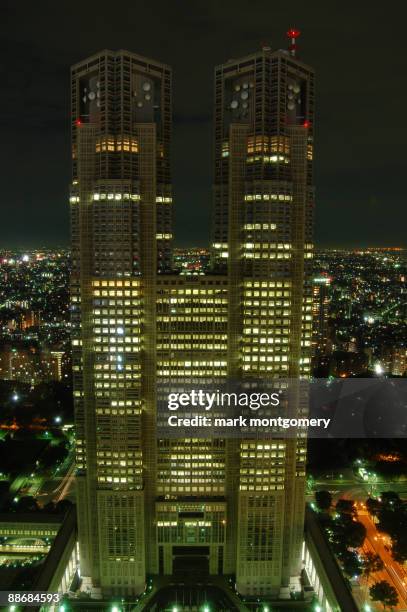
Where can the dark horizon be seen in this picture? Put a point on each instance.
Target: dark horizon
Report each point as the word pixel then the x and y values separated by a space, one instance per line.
pixel 360 163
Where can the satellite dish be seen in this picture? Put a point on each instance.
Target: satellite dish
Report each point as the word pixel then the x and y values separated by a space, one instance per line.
pixel 245 85
pixel 140 104
pixel 244 95
pixel 92 95
pixel 98 84
pixel 147 97
pixel 290 86
pixel 245 105
pixel 291 106
pixel 290 96
pixel 84 99
pixel 251 85
pixel 234 104
pixel 237 87
pixel 296 88
pixel 146 86
pixel 135 93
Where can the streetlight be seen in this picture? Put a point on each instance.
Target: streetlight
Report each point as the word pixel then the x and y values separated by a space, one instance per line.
pixel 318 608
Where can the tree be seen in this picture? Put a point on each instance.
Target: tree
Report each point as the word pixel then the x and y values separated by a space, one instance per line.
pixel 399 547
pixel 385 593
pixel 354 534
pixel 393 520
pixel 27 504
pixel 53 456
pixel 371 563
pixel 323 500
pixel 390 498
pixel 373 506
pixel 346 506
pixel 351 564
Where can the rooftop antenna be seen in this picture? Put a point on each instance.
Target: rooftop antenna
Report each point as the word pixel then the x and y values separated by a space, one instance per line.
pixel 292 35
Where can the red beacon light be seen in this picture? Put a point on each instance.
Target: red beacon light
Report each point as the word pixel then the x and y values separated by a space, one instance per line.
pixel 292 35
pixel 78 122
pixel 306 124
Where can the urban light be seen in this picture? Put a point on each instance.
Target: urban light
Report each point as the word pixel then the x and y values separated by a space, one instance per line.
pixel 378 369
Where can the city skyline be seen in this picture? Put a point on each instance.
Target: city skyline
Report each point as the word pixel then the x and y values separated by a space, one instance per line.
pixel 232 181
pixel 355 149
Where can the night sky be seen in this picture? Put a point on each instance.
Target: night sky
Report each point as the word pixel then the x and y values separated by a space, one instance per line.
pixel 357 49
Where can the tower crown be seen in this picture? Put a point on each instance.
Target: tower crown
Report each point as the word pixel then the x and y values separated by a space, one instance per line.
pixel 292 35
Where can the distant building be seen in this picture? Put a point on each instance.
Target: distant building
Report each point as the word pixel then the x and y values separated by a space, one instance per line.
pixel 394 360
pixel 320 317
pixel 30 364
pixel 23 317
pixel 192 261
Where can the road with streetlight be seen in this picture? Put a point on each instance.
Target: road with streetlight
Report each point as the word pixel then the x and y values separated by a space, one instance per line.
pixel 56 488
pixel 392 571
pixel 347 485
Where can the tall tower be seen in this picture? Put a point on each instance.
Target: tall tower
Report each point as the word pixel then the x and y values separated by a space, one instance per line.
pixel 263 218
pixel 161 505
pixel 121 237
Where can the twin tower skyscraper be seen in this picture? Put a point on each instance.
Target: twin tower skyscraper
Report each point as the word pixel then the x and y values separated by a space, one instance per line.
pixel 157 506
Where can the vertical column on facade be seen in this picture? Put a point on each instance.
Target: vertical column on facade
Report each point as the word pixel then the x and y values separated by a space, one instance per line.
pixel 87 519
pixel 295 484
pixel 237 164
pixel 148 261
